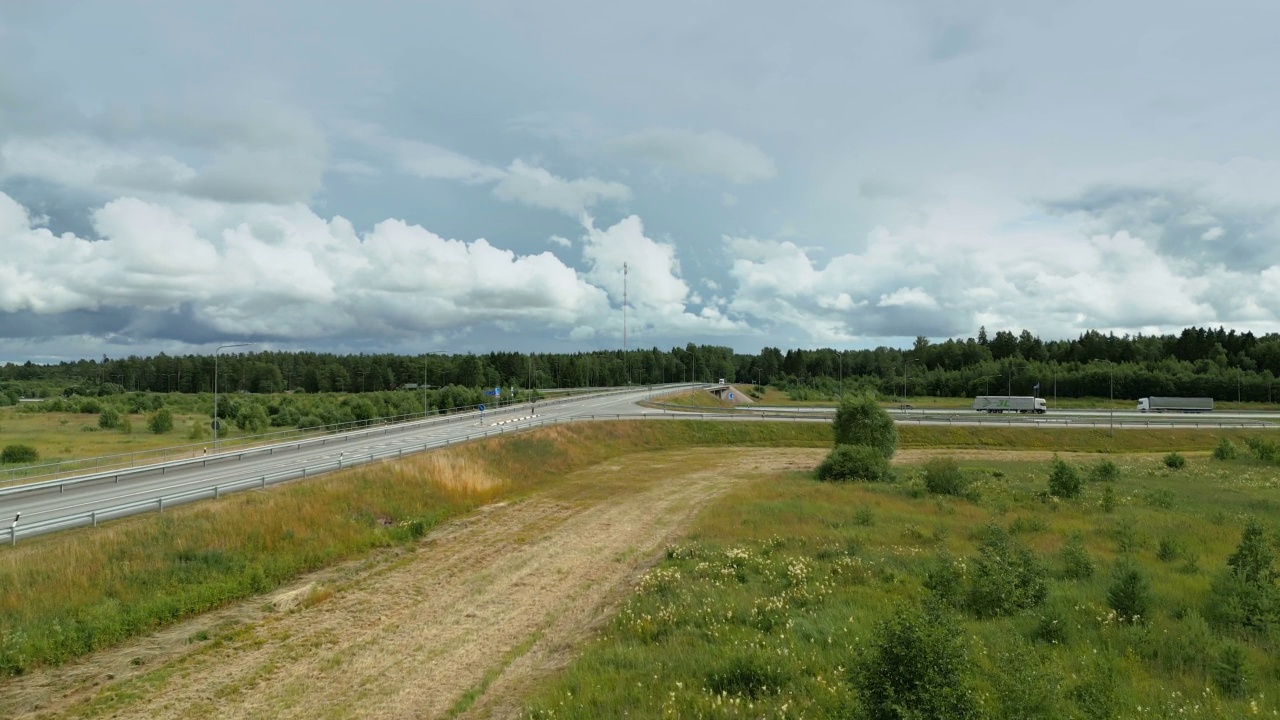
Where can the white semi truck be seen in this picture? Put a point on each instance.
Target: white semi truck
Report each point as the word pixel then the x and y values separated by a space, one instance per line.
pixel 1175 404
pixel 1010 403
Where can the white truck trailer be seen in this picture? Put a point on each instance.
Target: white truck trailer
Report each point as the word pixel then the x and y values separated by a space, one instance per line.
pixel 1175 404
pixel 1010 403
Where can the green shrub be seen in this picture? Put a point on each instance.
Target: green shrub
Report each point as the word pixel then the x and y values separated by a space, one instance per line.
pixel 914 668
pixel 1104 471
pixel 944 578
pixel 18 453
pixel 1108 502
pixel 252 418
pixel 1169 549
pixel 1064 480
pixel 1246 595
pixel 198 431
pixel 1130 592
pixel 1175 461
pixel 861 421
pixel 1076 562
pixel 1051 626
pixel 1230 670
pixel 90 407
pixel 1226 450
pixel 161 421
pixel 848 463
pixel 108 418
pixel 942 476
pixel 1007 576
pixel 1264 450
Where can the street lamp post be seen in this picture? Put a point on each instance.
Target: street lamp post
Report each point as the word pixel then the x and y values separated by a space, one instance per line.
pixel 216 421
pixel 361 373
pixel 906 371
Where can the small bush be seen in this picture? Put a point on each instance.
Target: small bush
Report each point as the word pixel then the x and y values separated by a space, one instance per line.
pixel 1130 593
pixel 1064 480
pixel 944 578
pixel 1051 626
pixel 1108 501
pixel 108 418
pixel 1264 450
pixel 1104 471
pixel 1226 450
pixel 1076 561
pixel 18 453
pixel 1168 550
pixel 198 431
pixel 942 476
pixel 1007 576
pixel 1175 461
pixel 161 421
pixel 861 421
pixel 1231 670
pixel 854 463
pixel 916 661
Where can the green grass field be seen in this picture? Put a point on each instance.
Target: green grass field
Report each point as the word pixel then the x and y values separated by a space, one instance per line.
pixel 774 397
pixel 70 593
pixel 773 605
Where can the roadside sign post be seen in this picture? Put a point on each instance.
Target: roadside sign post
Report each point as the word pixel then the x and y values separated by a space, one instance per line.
pixel 480 407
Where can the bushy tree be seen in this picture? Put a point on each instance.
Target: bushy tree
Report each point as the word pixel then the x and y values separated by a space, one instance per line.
pixel 915 669
pixel 161 421
pixel 108 418
pixel 1064 479
pixel 1246 595
pixel 1007 576
pixel 1175 461
pixel 1226 450
pixel 1076 562
pixel 861 421
pixel 854 463
pixel 252 418
pixel 942 476
pixel 1130 592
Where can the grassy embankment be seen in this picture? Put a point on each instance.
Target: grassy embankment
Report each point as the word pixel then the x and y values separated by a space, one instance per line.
pixel 771 606
pixel 67 594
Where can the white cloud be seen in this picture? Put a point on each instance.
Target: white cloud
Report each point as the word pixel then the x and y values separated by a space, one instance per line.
pixel 1213 233
pixel 434 162
pixel 656 290
pixel 561 241
pixel 708 153
pixel 536 187
pixel 902 297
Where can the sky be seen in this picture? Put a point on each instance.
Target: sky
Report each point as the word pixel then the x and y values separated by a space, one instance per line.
pixel 408 176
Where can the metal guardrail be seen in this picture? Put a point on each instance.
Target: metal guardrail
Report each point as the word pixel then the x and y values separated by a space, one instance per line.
pixel 180 496
pixel 409 423
pixel 158 503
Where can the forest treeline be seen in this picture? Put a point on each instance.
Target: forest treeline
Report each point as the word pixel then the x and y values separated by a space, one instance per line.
pixel 1219 363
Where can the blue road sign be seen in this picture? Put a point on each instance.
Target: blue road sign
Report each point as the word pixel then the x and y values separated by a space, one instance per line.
pixel 730 396
pixel 480 407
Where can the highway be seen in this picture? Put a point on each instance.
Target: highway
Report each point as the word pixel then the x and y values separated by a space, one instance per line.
pixel 63 503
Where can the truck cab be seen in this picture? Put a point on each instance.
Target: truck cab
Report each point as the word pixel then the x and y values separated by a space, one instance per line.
pixel 1143 405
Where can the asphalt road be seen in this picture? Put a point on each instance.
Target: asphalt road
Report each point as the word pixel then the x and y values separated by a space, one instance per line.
pixel 71 502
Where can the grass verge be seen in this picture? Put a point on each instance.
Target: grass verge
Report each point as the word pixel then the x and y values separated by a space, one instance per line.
pixel 775 603
pixel 65 595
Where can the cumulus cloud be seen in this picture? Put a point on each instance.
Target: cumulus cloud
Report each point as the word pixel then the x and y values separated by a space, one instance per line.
pixel 194 271
pixel 707 153
pixel 656 289
pixel 964 267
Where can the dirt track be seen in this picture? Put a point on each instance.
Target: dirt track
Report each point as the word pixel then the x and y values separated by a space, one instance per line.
pixel 483 609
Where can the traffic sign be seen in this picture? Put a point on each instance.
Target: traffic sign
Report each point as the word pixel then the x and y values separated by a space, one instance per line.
pixel 480 407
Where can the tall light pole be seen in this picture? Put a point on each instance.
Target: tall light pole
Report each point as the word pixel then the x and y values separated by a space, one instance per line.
pixel 216 421
pixel 626 370
pixel 906 370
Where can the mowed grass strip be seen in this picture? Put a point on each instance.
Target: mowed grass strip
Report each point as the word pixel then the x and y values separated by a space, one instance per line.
pixel 769 608
pixel 64 595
